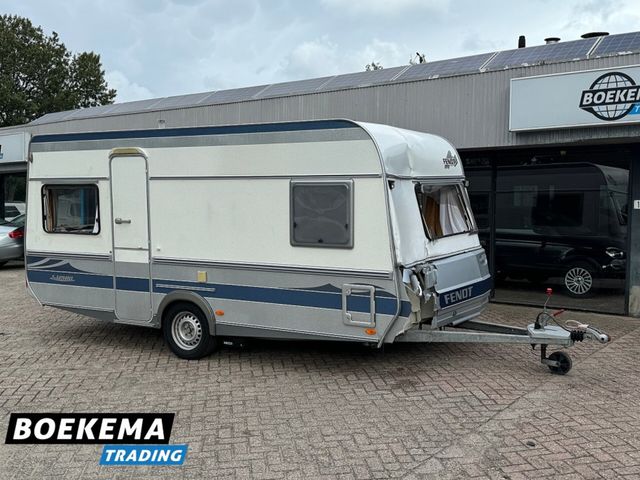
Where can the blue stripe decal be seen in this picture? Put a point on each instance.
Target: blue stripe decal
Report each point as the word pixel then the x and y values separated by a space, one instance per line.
pixel 329 288
pixel 33 259
pixel 58 268
pixel 196 131
pixel 70 279
pixel 455 296
pixel 405 309
pixel 385 305
pixel 133 284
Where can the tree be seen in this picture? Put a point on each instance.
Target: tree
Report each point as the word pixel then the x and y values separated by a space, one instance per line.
pixel 373 66
pixel 38 75
pixel 89 86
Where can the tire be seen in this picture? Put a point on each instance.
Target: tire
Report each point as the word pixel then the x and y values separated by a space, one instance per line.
pixel 564 362
pixel 2 264
pixel 186 330
pixel 579 280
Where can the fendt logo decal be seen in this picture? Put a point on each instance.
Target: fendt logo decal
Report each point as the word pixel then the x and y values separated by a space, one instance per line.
pixel 612 96
pixel 450 160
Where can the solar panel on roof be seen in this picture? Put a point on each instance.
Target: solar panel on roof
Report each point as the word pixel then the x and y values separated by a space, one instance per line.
pixel 452 66
pixel 52 117
pixel 233 95
pixel 183 100
pixel 613 44
pixel 89 112
pixel 130 107
pixel 554 52
pixel 293 88
pixel 361 79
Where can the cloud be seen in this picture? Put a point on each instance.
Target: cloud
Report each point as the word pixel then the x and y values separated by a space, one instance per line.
pixel 172 47
pixel 385 7
pixel 323 57
pixel 313 58
pixel 127 90
pixel 474 43
pixel 603 15
pixel 389 54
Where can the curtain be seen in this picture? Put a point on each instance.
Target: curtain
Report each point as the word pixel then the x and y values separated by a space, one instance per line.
pixel 431 216
pixel 51 200
pixel 452 218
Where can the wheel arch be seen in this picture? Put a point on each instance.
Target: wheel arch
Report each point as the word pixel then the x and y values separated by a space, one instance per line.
pixel 179 296
pixel 572 260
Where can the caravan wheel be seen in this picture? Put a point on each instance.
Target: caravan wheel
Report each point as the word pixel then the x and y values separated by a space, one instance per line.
pixel 186 331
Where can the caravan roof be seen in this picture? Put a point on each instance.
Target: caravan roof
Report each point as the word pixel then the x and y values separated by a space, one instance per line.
pixel 403 152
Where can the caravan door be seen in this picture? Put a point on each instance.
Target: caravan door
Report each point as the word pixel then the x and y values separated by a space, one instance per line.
pixel 130 216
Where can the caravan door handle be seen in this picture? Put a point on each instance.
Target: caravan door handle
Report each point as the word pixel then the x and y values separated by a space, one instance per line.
pixel 120 221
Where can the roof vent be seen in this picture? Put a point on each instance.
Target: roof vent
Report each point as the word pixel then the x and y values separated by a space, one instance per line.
pixel 550 40
pixel 594 34
pixel 522 42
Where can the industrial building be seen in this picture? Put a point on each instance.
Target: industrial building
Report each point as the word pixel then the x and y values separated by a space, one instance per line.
pixel 549 136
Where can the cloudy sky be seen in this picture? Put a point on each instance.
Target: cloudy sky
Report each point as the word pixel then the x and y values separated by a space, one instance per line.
pixel 155 48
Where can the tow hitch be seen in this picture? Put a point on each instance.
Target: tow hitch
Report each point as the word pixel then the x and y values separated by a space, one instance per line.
pixel 538 333
pixel 560 362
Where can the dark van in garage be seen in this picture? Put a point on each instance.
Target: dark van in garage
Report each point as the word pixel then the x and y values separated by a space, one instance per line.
pixel 563 220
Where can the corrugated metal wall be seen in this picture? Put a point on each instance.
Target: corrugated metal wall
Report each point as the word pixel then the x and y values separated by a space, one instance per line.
pixel 470 110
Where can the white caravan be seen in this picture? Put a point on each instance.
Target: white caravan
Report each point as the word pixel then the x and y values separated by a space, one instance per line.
pixel 332 229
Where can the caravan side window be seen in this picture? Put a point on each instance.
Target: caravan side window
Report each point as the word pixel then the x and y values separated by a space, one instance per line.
pixel 322 214
pixel 70 209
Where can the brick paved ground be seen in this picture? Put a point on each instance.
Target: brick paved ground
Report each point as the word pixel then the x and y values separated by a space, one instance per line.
pixel 298 410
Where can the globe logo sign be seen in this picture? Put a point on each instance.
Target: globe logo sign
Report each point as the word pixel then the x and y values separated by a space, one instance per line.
pixel 611 96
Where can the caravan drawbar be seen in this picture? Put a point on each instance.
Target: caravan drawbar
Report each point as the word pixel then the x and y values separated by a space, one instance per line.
pixel 333 229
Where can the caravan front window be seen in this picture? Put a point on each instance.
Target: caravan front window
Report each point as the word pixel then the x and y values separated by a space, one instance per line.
pixel 70 209
pixel 444 210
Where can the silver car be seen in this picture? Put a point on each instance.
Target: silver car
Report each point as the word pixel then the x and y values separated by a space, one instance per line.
pixel 12 239
pixel 13 209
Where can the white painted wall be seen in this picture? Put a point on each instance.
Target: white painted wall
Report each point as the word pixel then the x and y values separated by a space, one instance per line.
pixel 352 157
pixel 236 219
pixel 245 220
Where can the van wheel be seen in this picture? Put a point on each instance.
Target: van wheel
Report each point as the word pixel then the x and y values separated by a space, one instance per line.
pixel 579 280
pixel 186 331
